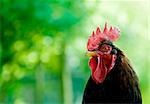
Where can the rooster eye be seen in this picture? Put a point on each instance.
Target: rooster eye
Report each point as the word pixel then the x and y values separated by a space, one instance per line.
pixel 105 48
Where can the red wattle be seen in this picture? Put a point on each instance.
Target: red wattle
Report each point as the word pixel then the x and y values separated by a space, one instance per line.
pixel 93 65
pixel 100 72
pixel 101 66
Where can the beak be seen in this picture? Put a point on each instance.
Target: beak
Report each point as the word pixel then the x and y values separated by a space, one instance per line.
pixel 91 53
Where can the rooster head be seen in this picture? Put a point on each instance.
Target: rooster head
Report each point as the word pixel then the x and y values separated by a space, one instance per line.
pixel 102 52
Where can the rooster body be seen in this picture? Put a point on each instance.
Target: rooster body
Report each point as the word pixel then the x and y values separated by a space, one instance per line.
pixel 113 80
pixel 120 85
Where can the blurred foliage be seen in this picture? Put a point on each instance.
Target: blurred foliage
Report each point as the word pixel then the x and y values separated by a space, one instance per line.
pixel 43 44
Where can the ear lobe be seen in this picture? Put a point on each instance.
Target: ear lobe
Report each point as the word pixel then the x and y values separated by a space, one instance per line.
pixel 114 51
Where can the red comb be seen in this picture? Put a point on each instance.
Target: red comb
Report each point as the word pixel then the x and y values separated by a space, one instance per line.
pixel 112 35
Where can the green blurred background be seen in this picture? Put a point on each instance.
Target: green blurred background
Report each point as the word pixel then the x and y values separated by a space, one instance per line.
pixel 43 45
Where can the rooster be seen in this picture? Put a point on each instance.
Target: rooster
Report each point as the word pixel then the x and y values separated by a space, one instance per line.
pixel 113 79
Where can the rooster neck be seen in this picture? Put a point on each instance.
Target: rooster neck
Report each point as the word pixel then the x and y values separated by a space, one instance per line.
pixel 121 83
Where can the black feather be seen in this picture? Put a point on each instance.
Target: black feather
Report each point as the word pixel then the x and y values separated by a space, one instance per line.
pixel 120 85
